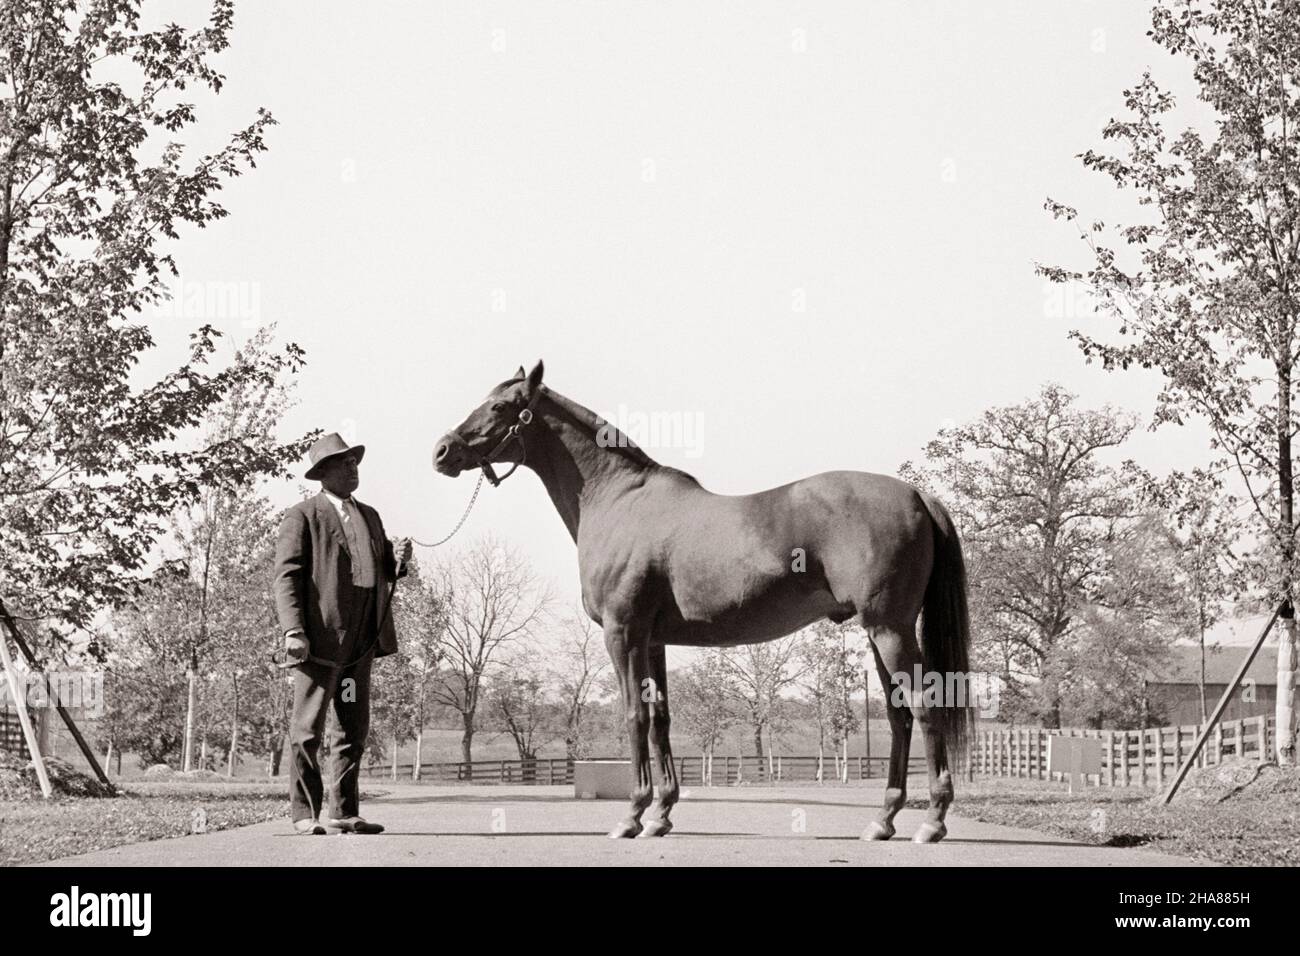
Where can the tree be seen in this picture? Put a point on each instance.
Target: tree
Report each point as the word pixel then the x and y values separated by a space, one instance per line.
pixel 93 194
pixel 1136 608
pixel 519 699
pixel 580 663
pixel 421 609
pixel 394 709
pixel 494 602
pixel 227 539
pixel 1039 513
pixel 759 673
pixel 1201 285
pixel 145 684
pixel 702 696
pixel 1206 528
pixel 830 671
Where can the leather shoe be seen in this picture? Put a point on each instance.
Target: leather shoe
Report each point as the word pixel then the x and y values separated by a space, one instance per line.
pixel 308 827
pixel 355 825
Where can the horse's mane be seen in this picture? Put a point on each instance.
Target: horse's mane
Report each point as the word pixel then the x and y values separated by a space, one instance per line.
pixel 622 444
pixel 619 443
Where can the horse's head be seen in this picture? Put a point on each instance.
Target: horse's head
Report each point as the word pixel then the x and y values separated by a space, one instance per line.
pixel 484 436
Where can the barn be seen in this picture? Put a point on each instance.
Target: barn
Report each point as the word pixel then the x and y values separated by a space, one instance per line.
pixel 1172 695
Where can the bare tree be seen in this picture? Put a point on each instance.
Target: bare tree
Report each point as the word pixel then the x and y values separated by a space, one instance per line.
pixel 519 699
pixel 494 601
pixel 832 670
pixel 580 662
pixel 759 673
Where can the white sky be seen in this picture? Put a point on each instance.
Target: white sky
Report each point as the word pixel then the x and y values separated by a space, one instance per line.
pixel 643 195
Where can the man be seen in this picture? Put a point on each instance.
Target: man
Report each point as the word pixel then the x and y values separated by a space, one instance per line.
pixel 334 573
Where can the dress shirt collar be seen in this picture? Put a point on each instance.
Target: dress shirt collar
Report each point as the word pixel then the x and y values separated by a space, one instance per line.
pixel 338 503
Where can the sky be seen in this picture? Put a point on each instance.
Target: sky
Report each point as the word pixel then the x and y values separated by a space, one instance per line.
pixel 802 235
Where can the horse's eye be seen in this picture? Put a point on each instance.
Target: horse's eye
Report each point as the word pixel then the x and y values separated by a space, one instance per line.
pixel 498 407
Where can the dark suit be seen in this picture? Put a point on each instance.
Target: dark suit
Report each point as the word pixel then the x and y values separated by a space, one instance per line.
pixel 314 591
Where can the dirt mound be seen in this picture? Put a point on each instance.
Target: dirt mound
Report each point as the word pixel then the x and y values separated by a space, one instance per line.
pixel 159 771
pixel 1241 780
pixel 18 780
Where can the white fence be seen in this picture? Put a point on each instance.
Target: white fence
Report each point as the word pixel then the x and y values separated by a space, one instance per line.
pixel 1129 758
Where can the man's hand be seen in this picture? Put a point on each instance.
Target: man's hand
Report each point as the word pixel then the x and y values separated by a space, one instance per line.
pixel 403 550
pixel 296 647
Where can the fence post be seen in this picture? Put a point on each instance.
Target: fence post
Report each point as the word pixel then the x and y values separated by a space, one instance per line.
pixel 1123 759
pixel 1261 731
pixel 1160 757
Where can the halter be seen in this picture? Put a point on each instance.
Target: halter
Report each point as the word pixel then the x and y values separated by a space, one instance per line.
pixel 514 433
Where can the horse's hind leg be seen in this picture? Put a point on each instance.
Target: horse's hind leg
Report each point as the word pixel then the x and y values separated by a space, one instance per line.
pixel 901 655
pixel 660 748
pixel 629 652
pixel 900 732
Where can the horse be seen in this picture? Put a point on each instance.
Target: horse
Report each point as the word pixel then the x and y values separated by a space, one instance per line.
pixel 663 561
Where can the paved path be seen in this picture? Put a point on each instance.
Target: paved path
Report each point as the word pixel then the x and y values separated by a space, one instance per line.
pixel 511 826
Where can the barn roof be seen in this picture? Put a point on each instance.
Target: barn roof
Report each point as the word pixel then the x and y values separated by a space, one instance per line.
pixel 1183 665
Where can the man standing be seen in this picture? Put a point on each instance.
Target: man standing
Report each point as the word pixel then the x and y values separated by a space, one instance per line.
pixel 334 572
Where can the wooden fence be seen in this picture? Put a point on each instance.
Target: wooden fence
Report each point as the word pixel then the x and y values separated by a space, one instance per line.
pixel 727 770
pixel 1129 758
pixel 11 734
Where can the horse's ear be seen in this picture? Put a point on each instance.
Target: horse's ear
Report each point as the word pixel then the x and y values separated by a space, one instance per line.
pixel 534 377
pixel 519 375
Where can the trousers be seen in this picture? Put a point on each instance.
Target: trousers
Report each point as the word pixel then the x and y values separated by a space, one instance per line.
pixel 345 686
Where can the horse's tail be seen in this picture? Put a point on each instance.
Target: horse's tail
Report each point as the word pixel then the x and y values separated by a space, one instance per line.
pixel 945 633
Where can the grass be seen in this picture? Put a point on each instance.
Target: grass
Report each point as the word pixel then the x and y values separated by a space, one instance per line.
pixel 1258 826
pixel 34 830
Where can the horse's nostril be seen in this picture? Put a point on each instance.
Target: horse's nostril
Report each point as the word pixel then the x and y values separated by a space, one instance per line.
pixel 441 451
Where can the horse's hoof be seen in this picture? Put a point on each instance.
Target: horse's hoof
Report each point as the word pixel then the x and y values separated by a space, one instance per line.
pixel 625 830
pixel 930 833
pixel 878 831
pixel 656 828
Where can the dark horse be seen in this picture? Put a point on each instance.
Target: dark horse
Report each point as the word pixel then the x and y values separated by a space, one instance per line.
pixel 663 561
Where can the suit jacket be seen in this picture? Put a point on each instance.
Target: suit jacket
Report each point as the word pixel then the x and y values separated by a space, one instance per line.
pixel 313 576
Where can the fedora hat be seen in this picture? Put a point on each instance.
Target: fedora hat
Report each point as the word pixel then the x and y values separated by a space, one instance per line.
pixel 327 447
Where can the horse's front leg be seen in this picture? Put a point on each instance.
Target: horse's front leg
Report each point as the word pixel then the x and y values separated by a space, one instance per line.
pixel 660 746
pixel 629 651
